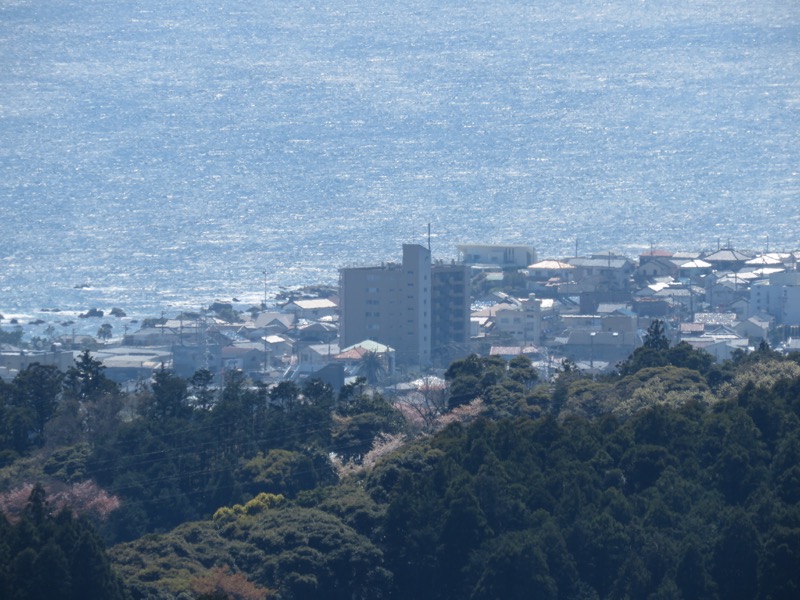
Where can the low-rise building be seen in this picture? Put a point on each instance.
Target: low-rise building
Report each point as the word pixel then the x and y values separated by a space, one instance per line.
pixel 14 360
pixel 727 259
pixel 130 364
pixel 755 328
pixel 603 272
pixel 548 270
pixel 312 309
pixel 778 296
pixel 520 321
pixel 590 346
pixel 504 256
pixel 657 266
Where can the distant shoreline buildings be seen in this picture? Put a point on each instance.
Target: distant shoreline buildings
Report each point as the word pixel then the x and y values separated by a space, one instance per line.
pixel 420 314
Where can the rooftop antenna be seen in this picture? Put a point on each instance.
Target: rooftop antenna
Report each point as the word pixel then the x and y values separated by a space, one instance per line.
pixel 429 237
pixel 576 247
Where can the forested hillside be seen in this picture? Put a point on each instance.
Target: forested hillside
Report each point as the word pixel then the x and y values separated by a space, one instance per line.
pixel 673 478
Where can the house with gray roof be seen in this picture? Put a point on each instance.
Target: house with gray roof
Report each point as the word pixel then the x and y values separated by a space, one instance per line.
pixel 603 272
pixel 727 259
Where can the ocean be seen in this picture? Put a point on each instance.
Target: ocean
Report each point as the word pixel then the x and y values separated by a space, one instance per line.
pixel 157 156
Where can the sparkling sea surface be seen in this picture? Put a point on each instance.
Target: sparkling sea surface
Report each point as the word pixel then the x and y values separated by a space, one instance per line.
pixel 161 155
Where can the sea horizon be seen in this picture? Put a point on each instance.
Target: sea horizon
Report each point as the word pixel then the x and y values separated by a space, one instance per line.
pixel 160 157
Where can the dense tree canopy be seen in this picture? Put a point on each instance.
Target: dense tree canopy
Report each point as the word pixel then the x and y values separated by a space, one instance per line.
pixel 673 478
pixel 53 556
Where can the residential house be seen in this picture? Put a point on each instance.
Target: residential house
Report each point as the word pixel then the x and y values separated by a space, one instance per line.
pixel 312 309
pixel 656 266
pixel 604 346
pixel 275 322
pixel 724 289
pixel 317 331
pixel 590 301
pixel 657 308
pixel 768 260
pixel 755 328
pixel 654 254
pixel 727 259
pixel 245 356
pixel 549 269
pixel 352 356
pixel 721 342
pixel 311 358
pixel 545 277
pixel 682 300
pixel 520 321
pixel 603 272
pixel 279 347
pixel 741 308
pixel 694 270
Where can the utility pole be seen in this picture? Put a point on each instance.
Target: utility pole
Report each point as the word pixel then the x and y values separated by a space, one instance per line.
pixel 264 305
pixel 266 358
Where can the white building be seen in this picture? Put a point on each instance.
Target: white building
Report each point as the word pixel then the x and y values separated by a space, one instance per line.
pixel 508 256
pixel 521 322
pixel 778 296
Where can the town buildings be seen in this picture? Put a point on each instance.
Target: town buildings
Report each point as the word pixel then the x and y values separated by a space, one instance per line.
pixel 422 314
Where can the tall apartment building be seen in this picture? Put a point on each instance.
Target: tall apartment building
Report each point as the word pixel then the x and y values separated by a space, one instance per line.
pixel 389 304
pixel 450 305
pixel 417 308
